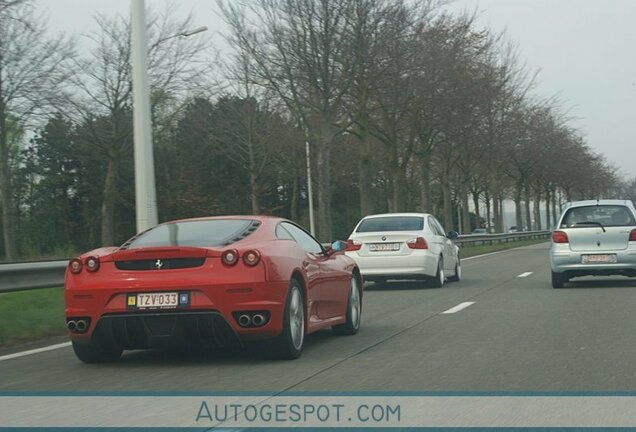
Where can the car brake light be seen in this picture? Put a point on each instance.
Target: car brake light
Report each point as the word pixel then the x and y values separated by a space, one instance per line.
pixel 92 264
pixel 75 265
pixel 230 257
pixel 251 258
pixel 417 243
pixel 353 245
pixel 632 235
pixel 560 237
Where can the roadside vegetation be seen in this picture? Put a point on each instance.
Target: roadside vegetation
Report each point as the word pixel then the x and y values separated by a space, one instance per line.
pixel 31 315
pixel 404 106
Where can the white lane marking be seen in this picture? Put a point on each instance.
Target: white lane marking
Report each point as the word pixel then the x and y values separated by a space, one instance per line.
pixel 458 307
pixel 484 255
pixel 35 351
pixel 526 274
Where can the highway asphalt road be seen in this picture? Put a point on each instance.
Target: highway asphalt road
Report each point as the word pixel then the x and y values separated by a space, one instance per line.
pixel 517 334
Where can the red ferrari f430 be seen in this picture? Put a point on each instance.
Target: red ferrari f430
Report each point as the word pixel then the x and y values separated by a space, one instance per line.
pixel 211 282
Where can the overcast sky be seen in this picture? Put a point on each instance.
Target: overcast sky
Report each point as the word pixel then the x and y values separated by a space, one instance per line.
pixel 585 50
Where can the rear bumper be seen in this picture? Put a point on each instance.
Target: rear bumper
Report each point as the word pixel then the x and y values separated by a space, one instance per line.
pixel 569 262
pixel 419 264
pixel 212 314
pixel 206 329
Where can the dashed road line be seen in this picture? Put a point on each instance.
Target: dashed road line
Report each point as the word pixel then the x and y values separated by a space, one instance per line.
pixel 459 307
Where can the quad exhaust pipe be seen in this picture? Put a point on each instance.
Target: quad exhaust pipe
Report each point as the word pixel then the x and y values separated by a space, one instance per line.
pixel 244 320
pixel 258 320
pixel 77 326
pixel 252 319
pixel 81 325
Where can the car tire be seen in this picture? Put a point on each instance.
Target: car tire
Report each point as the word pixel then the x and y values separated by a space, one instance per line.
pixel 458 271
pixel 354 310
pixel 93 353
pixel 289 344
pixel 559 280
pixel 438 280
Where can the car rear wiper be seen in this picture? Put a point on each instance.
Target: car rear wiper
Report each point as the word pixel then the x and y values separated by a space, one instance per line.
pixel 591 223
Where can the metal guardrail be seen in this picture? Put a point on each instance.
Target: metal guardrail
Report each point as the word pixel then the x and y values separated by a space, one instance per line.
pixel 488 239
pixel 44 274
pixel 31 275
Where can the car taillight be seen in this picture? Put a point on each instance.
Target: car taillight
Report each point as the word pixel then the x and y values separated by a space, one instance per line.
pixel 251 258
pixel 560 237
pixel 92 264
pixel 417 243
pixel 230 257
pixel 632 235
pixel 353 245
pixel 75 265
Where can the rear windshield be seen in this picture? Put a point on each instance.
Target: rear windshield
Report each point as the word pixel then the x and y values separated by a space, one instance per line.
pixel 392 223
pixel 606 215
pixel 201 233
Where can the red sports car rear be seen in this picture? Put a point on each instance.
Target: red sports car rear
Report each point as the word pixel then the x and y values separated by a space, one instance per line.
pixel 210 282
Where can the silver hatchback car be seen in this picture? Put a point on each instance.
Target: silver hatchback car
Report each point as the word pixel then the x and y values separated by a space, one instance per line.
pixel 594 238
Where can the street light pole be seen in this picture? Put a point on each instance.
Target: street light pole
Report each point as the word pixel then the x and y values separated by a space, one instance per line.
pixel 145 189
pixel 312 227
pixel 145 193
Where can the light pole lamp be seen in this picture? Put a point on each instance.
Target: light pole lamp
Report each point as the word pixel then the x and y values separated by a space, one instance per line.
pixel 145 189
pixel 145 192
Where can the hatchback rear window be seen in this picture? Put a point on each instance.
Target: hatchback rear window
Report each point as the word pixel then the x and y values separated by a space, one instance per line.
pixel 606 215
pixel 200 233
pixel 392 223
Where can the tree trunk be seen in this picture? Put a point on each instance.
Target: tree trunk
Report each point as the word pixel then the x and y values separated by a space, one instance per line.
pixel 6 194
pixel 425 191
pixel 465 212
pixel 488 214
pixel 476 204
pixel 537 212
pixel 293 205
pixel 364 174
pixel 448 208
pixel 528 224
pixel 496 214
pixel 554 208
pixel 256 206
pixel 399 182
pixel 548 221
pixel 108 203
pixel 323 181
pixel 518 220
pixel 254 183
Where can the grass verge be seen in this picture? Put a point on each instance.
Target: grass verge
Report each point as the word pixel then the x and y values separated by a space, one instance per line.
pixel 31 315
pixel 27 316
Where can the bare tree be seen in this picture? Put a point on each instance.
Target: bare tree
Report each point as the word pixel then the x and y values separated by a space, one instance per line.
pixel 33 72
pixel 301 52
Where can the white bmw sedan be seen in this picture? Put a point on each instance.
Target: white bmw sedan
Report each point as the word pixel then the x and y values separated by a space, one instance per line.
pixel 404 246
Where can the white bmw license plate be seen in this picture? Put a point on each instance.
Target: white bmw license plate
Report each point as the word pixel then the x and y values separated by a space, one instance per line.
pixel 599 259
pixel 382 247
pixel 154 300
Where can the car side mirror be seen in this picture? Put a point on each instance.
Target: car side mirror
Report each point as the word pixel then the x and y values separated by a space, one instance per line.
pixel 338 246
pixel 453 235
